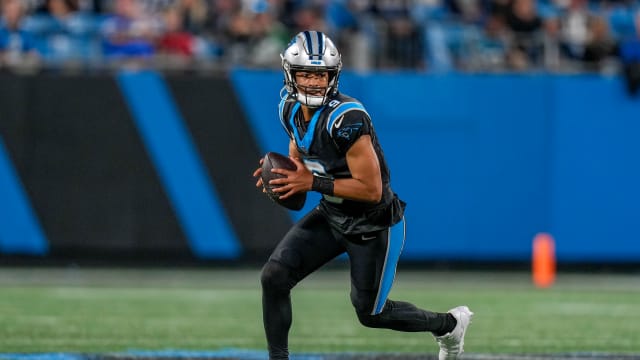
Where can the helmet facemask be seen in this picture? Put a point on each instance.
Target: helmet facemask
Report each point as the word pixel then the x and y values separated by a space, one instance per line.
pixel 314 96
pixel 311 51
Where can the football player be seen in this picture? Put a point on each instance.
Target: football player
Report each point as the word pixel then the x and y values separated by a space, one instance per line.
pixel 337 153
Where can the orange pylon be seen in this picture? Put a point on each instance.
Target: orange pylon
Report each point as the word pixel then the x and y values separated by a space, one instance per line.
pixel 543 261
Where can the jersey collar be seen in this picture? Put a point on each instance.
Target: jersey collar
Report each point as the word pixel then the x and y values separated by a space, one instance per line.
pixel 304 143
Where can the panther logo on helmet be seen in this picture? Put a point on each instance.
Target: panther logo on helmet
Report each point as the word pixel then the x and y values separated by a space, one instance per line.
pixel 311 51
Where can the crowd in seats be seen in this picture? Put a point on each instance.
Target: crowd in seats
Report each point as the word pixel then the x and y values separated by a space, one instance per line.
pixel 424 35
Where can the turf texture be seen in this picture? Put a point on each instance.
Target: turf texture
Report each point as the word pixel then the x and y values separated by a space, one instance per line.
pixel 121 313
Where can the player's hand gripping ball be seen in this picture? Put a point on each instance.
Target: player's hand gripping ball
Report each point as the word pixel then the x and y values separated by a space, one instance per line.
pixel 273 160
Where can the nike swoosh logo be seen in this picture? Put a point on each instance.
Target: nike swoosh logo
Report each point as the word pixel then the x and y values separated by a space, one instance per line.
pixel 339 122
pixel 368 238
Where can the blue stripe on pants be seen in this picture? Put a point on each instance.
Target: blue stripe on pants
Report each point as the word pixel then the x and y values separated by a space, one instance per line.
pixel 181 171
pixel 20 231
pixel 395 243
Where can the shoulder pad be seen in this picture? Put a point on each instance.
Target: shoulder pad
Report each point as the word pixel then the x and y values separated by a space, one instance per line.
pixel 342 109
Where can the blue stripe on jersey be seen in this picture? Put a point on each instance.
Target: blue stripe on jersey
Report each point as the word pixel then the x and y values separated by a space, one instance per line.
pixel 395 243
pixel 20 231
pixel 304 142
pixel 179 166
pixel 341 110
pixel 292 118
pixel 281 115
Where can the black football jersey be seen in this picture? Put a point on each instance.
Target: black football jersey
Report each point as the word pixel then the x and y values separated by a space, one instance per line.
pixel 323 143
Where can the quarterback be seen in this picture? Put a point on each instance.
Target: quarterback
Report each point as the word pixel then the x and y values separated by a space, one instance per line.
pixel 337 153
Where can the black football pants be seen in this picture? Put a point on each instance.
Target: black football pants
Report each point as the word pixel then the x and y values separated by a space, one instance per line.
pixel 310 244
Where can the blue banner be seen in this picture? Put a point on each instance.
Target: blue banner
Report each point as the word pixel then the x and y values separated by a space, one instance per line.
pixel 179 166
pixel 20 231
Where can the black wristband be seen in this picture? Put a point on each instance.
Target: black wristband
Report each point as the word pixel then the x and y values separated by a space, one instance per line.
pixel 322 185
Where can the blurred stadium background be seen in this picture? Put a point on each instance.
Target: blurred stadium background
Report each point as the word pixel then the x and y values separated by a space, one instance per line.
pixel 129 130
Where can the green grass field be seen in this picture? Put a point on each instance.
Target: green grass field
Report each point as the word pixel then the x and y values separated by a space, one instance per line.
pixel 112 310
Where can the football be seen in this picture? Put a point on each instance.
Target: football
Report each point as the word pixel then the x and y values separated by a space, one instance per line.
pixel 273 160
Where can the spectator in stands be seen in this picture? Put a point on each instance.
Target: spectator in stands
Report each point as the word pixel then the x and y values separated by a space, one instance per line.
pixel 287 10
pixel 493 45
pixel 218 22
pixel 175 45
pixel 268 38
pixel 129 32
pixel 621 17
pixel 500 8
pixel 220 13
pixel 193 15
pixel 553 59
pixel 402 36
pixel 17 46
pixel 308 16
pixel 239 35
pixel 575 23
pixel 601 46
pixel 452 34
pixel 473 12
pixel 352 26
pixel 630 56
pixel 257 36
pixel 68 35
pixel 525 23
pixel 59 8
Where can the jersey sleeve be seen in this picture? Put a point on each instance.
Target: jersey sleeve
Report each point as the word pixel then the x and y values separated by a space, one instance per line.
pixel 347 123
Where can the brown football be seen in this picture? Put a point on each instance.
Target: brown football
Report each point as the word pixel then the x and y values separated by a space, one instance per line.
pixel 273 160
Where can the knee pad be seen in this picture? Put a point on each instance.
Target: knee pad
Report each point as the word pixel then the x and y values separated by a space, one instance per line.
pixel 276 276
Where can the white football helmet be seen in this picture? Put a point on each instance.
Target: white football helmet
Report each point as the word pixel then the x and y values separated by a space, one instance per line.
pixel 311 51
